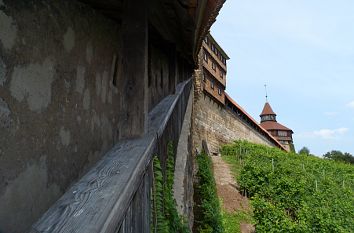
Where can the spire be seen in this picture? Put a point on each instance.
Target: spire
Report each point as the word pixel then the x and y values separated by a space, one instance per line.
pixel 265 88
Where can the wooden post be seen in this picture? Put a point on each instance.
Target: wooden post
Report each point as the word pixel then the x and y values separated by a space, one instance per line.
pixel 133 83
pixel 272 164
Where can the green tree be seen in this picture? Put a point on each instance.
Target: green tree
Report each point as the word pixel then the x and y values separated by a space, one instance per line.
pixel 339 156
pixel 304 151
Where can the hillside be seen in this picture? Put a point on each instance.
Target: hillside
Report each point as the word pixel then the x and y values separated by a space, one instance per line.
pixel 293 193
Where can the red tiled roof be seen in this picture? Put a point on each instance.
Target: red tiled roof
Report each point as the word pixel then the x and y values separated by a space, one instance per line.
pixel 273 125
pixel 267 110
pixel 254 121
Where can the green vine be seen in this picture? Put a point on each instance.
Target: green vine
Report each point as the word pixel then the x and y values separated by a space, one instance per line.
pixel 165 218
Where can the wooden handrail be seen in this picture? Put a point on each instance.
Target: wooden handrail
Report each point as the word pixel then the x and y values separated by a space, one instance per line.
pixel 101 199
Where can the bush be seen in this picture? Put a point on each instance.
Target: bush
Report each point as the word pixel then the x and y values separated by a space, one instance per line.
pixel 207 207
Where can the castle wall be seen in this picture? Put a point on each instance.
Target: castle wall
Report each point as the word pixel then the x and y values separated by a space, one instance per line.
pixel 217 125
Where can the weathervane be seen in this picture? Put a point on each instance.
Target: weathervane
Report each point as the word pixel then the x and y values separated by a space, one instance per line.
pixel 265 88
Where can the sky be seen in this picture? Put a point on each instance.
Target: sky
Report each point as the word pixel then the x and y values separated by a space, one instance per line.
pixel 304 51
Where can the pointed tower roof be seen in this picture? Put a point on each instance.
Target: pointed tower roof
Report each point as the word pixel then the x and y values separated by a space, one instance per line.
pixel 267 110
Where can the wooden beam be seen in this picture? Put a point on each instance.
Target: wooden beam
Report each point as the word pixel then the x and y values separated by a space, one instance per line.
pixel 133 83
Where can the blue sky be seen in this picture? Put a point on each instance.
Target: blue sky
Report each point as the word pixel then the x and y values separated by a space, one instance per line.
pixel 304 51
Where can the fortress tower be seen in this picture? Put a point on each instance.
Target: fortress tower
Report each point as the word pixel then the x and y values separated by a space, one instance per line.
pixel 277 130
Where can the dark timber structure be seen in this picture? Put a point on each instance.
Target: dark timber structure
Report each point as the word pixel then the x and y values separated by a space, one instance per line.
pixel 90 90
pixel 213 68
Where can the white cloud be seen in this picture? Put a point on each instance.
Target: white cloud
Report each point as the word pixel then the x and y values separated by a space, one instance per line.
pixel 325 133
pixel 350 104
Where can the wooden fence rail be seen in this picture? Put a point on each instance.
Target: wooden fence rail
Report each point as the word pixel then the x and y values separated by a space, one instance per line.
pixel 114 196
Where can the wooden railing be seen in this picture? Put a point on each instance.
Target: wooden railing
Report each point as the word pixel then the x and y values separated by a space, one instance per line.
pixel 114 196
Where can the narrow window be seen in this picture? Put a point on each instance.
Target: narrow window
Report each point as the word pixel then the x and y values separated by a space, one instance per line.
pixel 204 77
pixel 161 78
pixel 219 91
pixel 213 66
pixel 221 74
pixel 205 57
pixel 115 71
pixel 212 84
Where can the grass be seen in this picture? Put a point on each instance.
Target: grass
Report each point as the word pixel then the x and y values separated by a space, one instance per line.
pixel 232 221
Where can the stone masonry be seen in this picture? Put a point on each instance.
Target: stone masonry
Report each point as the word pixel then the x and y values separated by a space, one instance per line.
pixel 217 125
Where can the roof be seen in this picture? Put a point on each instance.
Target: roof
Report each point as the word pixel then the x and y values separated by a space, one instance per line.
pixel 273 125
pixel 256 125
pixel 218 46
pixel 267 110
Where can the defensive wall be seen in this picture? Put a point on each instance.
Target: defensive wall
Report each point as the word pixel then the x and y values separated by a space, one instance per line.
pixel 219 124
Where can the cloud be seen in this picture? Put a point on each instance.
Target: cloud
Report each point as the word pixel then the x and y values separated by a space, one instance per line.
pixel 325 133
pixel 350 104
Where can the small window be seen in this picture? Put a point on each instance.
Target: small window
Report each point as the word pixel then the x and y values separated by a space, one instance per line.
pixel 282 133
pixel 219 91
pixel 213 47
pixel 213 66
pixel 205 57
pixel 206 39
pixel 204 79
pixel 212 84
pixel 221 74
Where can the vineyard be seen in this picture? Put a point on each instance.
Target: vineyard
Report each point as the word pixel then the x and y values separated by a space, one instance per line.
pixel 291 192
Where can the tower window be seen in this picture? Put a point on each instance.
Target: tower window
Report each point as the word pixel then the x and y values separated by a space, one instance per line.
pixel 205 57
pixel 282 133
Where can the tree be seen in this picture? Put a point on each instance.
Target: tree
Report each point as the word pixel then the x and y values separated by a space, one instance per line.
pixel 339 156
pixel 304 151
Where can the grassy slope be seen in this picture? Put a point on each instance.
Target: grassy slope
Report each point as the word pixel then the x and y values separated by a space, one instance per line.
pixel 294 193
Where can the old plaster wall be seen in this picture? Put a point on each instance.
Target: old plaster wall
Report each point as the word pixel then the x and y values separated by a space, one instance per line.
pixel 59 109
pixel 217 125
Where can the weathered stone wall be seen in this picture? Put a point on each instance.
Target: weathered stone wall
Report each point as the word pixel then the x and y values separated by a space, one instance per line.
pixel 217 125
pixel 183 174
pixel 59 109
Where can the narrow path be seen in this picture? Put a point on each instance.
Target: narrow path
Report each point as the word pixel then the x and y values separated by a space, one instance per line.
pixel 227 189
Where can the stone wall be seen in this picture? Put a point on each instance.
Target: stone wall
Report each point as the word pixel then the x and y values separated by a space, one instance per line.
pixel 60 110
pixel 217 125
